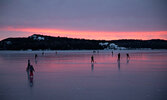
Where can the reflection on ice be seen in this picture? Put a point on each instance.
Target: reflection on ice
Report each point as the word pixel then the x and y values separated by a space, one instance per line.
pixel 31 81
pixel 92 66
pixel 127 61
pixel 118 65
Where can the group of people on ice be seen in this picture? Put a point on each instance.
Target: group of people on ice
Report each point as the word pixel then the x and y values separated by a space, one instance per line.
pixel 119 57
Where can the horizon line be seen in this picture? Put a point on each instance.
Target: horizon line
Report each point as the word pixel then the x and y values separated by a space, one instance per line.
pixel 91 35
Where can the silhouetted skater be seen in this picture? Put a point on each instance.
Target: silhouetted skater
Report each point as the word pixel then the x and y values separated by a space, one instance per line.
pixel 42 53
pixel 119 56
pixel 112 53
pixel 28 66
pixel 28 69
pixel 36 56
pixel 128 57
pixel 92 59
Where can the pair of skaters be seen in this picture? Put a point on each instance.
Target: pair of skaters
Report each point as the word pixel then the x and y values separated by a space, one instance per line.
pixel 119 56
pixel 30 69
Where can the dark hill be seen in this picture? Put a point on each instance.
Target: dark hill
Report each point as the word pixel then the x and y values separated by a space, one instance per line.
pixel 153 44
pixel 36 42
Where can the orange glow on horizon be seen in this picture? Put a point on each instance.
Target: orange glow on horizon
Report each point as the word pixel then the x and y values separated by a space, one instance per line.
pixel 97 35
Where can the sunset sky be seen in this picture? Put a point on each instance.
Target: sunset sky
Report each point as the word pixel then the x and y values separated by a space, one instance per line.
pixel 89 19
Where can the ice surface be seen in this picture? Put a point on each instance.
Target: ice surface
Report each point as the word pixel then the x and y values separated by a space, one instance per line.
pixel 69 75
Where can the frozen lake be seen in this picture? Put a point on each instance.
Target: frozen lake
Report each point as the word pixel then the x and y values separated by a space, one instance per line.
pixel 69 75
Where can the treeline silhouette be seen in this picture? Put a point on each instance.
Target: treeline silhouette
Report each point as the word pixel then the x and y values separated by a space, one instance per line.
pixel 41 42
pixel 152 44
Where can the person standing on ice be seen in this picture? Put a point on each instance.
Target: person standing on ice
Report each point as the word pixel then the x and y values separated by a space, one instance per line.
pixel 92 59
pixel 128 57
pixel 28 66
pixel 28 69
pixel 119 56
pixel 36 56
